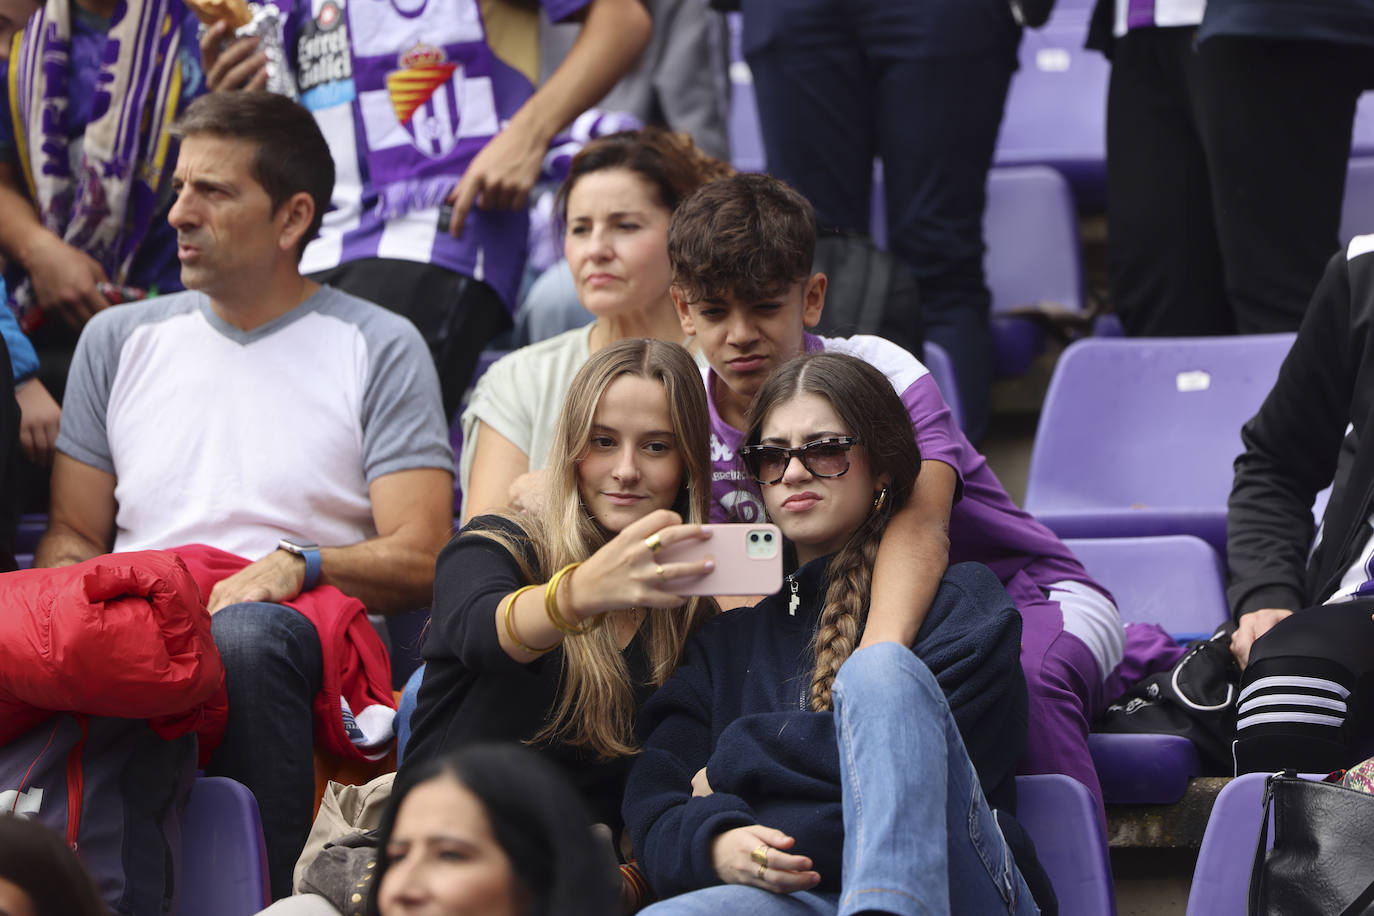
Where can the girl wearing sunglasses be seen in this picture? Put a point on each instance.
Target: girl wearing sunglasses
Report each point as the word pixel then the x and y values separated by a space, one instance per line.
pixel 785 772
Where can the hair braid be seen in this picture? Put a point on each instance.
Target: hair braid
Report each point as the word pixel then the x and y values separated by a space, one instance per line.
pixel 846 607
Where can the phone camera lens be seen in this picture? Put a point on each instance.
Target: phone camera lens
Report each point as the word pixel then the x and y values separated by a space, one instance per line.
pixel 768 537
pixel 754 538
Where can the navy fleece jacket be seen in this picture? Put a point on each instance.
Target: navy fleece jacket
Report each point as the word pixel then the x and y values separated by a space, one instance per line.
pixel 738 705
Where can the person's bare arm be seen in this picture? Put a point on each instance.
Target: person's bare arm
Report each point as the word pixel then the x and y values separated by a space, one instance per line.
pixel 912 557
pixel 40 418
pixel 390 573
pixel 64 279
pixel 613 35
pixel 497 463
pixel 81 517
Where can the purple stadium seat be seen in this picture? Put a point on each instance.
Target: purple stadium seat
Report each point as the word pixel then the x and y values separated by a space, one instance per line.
pixel 1137 436
pixel 1179 583
pixel 942 370
pixel 1032 261
pixel 1362 136
pixel 1056 109
pixel 1143 769
pixel 1221 879
pixel 746 137
pixel 223 857
pixel 1061 817
pixel 30 529
pixel 1357 213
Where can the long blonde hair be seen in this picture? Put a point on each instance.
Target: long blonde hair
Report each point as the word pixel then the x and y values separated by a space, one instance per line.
pixel 863 398
pixel 595 706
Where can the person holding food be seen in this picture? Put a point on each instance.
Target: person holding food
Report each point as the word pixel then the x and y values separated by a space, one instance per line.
pixel 438 134
pixel 86 162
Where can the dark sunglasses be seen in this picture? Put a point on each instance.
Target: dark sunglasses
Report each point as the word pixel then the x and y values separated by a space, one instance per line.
pixel 823 458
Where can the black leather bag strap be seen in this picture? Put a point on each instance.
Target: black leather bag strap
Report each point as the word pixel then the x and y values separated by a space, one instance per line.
pixel 1361 903
pixel 1261 845
pixel 1357 907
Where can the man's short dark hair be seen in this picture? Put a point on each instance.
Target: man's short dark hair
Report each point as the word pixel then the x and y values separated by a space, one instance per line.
pixel 292 154
pixel 749 235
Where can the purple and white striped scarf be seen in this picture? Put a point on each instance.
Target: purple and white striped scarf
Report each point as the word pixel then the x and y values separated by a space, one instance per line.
pixel 105 205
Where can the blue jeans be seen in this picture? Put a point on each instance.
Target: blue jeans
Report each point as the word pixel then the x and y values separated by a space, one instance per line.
pixel 919 837
pixel 272 668
pixel 410 697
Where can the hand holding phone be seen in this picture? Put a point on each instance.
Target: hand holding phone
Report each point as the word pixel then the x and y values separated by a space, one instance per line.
pixel 748 561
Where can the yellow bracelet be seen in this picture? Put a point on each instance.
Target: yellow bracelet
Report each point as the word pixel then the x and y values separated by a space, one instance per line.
pixel 551 606
pixel 510 624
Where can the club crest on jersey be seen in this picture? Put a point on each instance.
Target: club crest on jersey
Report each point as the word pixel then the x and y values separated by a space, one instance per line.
pixel 424 95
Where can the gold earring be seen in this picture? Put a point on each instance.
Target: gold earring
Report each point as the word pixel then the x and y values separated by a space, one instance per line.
pixel 879 500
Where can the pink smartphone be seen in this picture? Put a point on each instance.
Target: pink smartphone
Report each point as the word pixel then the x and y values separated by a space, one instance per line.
pixel 748 561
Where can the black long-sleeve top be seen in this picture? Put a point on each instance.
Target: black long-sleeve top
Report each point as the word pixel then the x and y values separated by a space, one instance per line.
pixel 1293 446
pixel 473 691
pixel 739 706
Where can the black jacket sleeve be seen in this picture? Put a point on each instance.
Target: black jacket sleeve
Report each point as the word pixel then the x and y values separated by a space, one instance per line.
pixel 1290 453
pixel 473 573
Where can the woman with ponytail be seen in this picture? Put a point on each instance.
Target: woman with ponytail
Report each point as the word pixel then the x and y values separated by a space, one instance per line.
pixel 785 771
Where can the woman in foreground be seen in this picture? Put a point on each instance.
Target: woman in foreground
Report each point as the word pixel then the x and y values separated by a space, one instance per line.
pixel 493 830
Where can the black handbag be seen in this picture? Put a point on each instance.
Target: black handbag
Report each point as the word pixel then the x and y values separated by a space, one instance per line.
pixel 1322 863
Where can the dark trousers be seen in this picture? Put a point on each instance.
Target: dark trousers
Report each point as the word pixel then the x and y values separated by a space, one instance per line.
pixel 837 84
pixel 273 667
pixel 457 315
pixel 11 455
pixel 1226 169
pixel 1307 697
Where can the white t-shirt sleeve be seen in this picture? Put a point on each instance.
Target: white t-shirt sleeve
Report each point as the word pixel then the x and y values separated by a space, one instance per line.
pixel 403 423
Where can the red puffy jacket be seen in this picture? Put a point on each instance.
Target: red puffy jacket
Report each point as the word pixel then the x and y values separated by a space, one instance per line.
pixel 122 635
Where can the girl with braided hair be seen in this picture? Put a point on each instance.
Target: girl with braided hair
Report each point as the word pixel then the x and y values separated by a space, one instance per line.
pixel 785 771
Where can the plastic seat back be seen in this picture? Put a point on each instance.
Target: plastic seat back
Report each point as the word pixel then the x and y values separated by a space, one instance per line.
pixel 1033 260
pixel 1056 108
pixel 942 370
pixel 1138 436
pixel 223 856
pixel 1177 581
pixel 1357 212
pixel 1221 879
pixel 1061 817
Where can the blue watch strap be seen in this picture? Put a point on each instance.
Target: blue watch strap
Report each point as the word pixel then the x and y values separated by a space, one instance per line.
pixel 308 552
pixel 312 568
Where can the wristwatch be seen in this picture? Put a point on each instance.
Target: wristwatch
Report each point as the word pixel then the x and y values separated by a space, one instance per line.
pixel 308 552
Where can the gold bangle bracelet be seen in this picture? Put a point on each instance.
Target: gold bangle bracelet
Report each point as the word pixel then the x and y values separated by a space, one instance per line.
pixel 510 624
pixel 555 615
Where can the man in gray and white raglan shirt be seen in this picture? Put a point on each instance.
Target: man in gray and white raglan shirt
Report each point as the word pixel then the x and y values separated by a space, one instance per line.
pixel 262 414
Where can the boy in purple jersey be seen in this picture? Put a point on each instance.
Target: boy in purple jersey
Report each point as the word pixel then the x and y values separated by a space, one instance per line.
pixel 741 251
